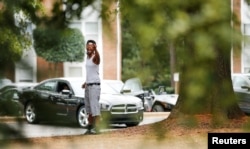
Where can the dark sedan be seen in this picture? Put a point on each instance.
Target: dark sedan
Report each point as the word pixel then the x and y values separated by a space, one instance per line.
pixel 49 100
pixel 9 103
pixel 9 98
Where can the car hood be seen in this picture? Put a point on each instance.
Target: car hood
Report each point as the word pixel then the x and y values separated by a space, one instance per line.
pixel 80 95
pixel 170 99
pixel 115 99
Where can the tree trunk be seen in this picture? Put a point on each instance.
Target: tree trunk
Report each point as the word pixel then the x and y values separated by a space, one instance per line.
pixel 205 75
pixel 172 62
pixel 206 88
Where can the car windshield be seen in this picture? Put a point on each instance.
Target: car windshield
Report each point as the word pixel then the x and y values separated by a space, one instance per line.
pixel 77 87
pixel 133 84
pixel 110 88
pixel 248 78
pixel 107 87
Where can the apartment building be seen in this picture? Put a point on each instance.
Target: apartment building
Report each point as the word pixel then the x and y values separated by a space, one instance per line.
pixel 34 69
pixel 240 60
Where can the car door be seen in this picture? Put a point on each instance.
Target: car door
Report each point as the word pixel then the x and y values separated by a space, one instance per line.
pixel 73 97
pixel 49 99
pixel 45 98
pixel 62 95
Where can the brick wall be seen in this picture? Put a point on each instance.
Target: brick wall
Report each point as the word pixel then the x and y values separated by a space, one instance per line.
pixel 110 52
pixel 47 70
pixel 236 62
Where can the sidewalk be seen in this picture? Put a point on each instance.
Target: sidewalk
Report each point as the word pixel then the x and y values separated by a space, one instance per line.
pixel 11 118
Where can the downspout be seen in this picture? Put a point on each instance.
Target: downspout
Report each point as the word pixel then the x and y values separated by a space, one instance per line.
pixel 232 50
pixel 119 60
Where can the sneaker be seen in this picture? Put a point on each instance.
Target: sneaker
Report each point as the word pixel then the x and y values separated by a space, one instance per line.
pixel 89 127
pixel 87 132
pixel 94 131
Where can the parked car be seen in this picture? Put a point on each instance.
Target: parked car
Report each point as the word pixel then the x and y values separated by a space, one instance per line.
pixel 49 101
pixel 152 102
pixel 9 99
pixel 4 81
pixel 241 86
pixel 20 85
pixel 118 108
pixel 162 101
pixel 9 103
pixel 133 87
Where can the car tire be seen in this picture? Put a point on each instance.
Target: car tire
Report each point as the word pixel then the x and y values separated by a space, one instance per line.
pixel 82 117
pixel 158 108
pixel 31 114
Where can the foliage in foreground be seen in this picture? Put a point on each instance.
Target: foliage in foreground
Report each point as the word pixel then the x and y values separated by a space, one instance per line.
pixel 202 36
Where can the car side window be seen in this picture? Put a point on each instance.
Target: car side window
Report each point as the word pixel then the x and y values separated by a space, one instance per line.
pixel 62 86
pixel 47 86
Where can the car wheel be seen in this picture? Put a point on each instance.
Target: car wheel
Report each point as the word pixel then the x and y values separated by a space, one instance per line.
pixel 158 108
pixel 82 117
pixel 30 113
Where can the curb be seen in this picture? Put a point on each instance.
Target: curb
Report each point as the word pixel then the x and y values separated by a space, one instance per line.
pixel 156 113
pixel 11 118
pixel 22 118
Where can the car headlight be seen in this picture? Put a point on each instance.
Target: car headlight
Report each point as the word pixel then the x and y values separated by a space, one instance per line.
pixel 104 106
pixel 140 105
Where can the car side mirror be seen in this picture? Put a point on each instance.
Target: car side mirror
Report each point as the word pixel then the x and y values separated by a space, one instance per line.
pixel 65 92
pixel 15 97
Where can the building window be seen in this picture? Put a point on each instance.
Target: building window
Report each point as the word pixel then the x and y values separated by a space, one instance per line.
pixel 74 69
pixel 246 48
pixel 91 30
pixel 245 19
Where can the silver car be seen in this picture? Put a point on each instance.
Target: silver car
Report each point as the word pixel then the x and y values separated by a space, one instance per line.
pixel 241 86
pixel 118 108
pixel 152 102
pixel 162 102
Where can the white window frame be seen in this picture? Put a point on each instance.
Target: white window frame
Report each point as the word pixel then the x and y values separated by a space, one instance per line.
pixel 89 15
pixel 245 29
